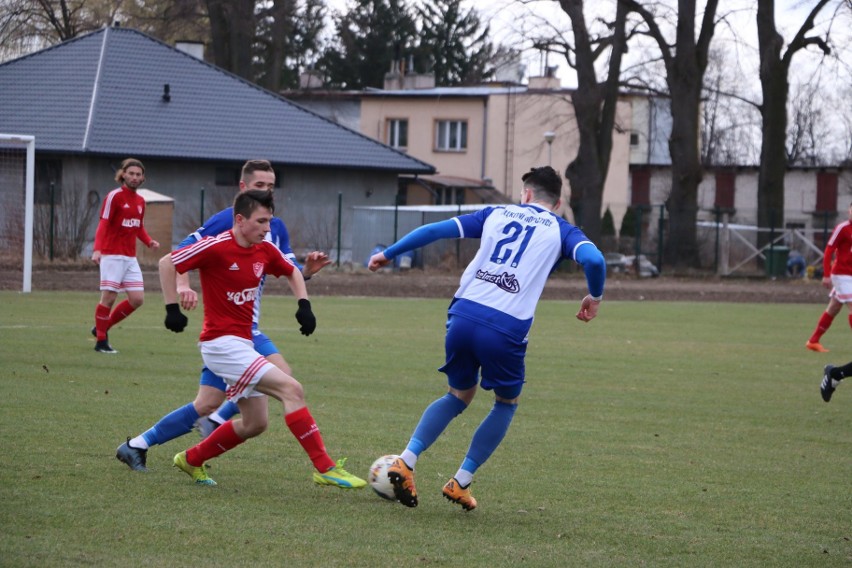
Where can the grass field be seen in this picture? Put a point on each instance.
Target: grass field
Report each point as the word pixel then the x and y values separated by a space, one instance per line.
pixel 661 434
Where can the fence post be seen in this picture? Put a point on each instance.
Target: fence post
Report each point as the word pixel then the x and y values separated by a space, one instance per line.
pixel 726 244
pixel 52 216
pixel 770 258
pixel 201 221
pixel 637 247
pixel 660 237
pixel 718 213
pixel 339 223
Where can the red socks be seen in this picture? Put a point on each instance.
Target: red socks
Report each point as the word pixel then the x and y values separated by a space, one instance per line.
pixel 301 424
pixel 120 312
pixel 304 428
pixel 104 320
pixel 101 321
pixel 823 325
pixel 222 439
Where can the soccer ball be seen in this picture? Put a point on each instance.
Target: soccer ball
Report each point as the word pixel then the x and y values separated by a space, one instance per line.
pixel 378 477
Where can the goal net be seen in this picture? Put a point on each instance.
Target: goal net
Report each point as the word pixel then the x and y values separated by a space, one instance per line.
pixel 17 178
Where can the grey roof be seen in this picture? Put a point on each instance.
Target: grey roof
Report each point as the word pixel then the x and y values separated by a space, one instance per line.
pixel 102 93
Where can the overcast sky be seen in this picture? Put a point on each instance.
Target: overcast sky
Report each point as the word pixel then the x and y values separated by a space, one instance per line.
pixel 511 20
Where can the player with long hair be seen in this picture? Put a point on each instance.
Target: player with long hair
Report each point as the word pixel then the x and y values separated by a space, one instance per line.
pixel 121 216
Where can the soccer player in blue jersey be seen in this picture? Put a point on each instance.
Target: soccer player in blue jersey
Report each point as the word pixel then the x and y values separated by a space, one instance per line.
pixel 490 317
pixel 256 174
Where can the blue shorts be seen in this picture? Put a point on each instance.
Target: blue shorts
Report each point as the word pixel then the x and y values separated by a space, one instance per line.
pixel 262 344
pixel 472 347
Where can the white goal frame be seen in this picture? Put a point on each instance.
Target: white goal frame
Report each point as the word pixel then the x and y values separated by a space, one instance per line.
pixel 29 207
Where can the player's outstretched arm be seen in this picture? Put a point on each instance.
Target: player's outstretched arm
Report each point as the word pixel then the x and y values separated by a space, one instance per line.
pixel 419 237
pixel 314 262
pixel 377 261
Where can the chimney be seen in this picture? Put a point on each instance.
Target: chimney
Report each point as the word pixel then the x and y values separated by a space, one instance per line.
pixel 310 79
pixel 193 48
pixel 548 83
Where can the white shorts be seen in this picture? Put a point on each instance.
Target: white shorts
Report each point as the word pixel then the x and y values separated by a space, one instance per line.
pixel 842 291
pixel 235 360
pixel 120 272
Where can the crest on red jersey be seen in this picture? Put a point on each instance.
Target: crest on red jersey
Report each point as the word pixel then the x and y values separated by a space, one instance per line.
pixel 258 269
pixel 139 207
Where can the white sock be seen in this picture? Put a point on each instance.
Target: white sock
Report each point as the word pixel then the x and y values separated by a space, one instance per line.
pixel 216 418
pixel 138 442
pixel 463 477
pixel 409 457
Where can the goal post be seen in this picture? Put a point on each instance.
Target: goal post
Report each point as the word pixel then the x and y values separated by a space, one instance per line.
pixel 17 182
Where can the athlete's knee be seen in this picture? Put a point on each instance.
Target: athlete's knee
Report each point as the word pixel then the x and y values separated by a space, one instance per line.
pixel 205 404
pixel 136 300
pixel 255 427
pixel 466 395
pixel 294 392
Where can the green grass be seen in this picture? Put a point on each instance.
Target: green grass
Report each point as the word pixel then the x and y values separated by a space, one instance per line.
pixel 661 434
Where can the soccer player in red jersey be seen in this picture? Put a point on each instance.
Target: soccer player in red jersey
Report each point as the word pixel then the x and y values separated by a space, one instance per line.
pixel 115 251
pixel 837 277
pixel 231 266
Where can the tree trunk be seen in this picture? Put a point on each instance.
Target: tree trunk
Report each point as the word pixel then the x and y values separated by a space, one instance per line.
pixel 775 87
pixel 594 110
pixel 685 77
pixel 232 26
pixel 681 242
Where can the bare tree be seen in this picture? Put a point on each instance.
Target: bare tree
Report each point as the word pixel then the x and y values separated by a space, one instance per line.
pixel 730 122
pixel 29 25
pixel 807 130
pixel 594 103
pixel 685 63
pixel 774 72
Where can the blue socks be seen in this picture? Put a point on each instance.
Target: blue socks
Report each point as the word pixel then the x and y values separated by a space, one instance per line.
pixel 225 412
pixel 435 420
pixel 172 425
pixel 488 436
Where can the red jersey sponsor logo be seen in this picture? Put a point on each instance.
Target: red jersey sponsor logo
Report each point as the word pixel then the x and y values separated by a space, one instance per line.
pixel 240 298
pixel 131 223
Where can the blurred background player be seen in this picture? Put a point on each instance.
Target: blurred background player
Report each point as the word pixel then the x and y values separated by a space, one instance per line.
pixel 255 174
pixel 490 317
pixel 231 268
pixel 837 277
pixel 120 225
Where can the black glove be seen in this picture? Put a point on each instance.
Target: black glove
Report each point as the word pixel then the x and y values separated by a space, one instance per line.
pixel 306 318
pixel 175 320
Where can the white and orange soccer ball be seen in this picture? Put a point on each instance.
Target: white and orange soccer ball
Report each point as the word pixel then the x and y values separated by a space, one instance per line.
pixel 378 477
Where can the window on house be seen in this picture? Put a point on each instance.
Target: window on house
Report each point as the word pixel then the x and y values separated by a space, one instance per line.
pixel 634 138
pixel 640 187
pixel 228 176
pixel 451 135
pixel 725 190
pixel 826 197
pixel 449 196
pixel 398 133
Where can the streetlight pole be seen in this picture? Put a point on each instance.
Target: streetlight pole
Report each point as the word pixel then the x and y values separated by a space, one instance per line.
pixel 549 136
